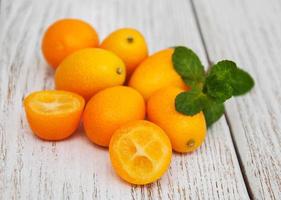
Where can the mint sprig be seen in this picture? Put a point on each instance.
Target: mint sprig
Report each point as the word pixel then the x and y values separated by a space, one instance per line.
pixel 209 90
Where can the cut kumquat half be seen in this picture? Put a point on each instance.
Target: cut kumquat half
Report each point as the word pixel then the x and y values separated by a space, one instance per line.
pixel 53 114
pixel 140 152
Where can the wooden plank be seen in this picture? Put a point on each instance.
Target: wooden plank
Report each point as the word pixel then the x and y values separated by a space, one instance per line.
pixel 75 168
pixel 249 33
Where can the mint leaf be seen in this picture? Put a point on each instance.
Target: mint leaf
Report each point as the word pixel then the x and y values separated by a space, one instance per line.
pixel 217 88
pixel 223 69
pixel 213 112
pixel 227 72
pixel 190 102
pixel 241 82
pixel 188 66
pixel 218 80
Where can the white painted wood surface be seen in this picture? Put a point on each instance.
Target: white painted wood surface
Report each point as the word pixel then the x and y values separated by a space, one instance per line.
pixel 249 32
pixel 75 168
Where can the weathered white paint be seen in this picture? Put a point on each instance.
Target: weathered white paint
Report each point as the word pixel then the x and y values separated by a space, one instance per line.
pixel 249 32
pixel 75 168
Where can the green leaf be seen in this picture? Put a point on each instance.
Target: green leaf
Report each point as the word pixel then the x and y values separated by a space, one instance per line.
pixel 218 80
pixel 190 102
pixel 223 70
pixel 188 66
pixel 227 74
pixel 219 89
pixel 213 112
pixel 241 82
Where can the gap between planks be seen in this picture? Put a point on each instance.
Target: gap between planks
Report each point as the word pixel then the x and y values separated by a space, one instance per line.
pixel 242 168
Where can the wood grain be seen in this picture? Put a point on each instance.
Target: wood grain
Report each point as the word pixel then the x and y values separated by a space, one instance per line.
pixel 249 33
pixel 75 168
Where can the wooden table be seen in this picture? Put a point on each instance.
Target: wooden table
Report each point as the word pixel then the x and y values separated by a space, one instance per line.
pixel 241 157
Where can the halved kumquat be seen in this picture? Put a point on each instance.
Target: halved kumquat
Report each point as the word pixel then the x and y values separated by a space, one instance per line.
pixel 140 152
pixel 53 115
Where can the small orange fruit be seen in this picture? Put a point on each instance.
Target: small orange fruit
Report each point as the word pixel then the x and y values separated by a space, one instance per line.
pixel 129 44
pixel 154 73
pixel 140 152
pixel 87 71
pixel 66 36
pixel 109 109
pixel 53 115
pixel 186 133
